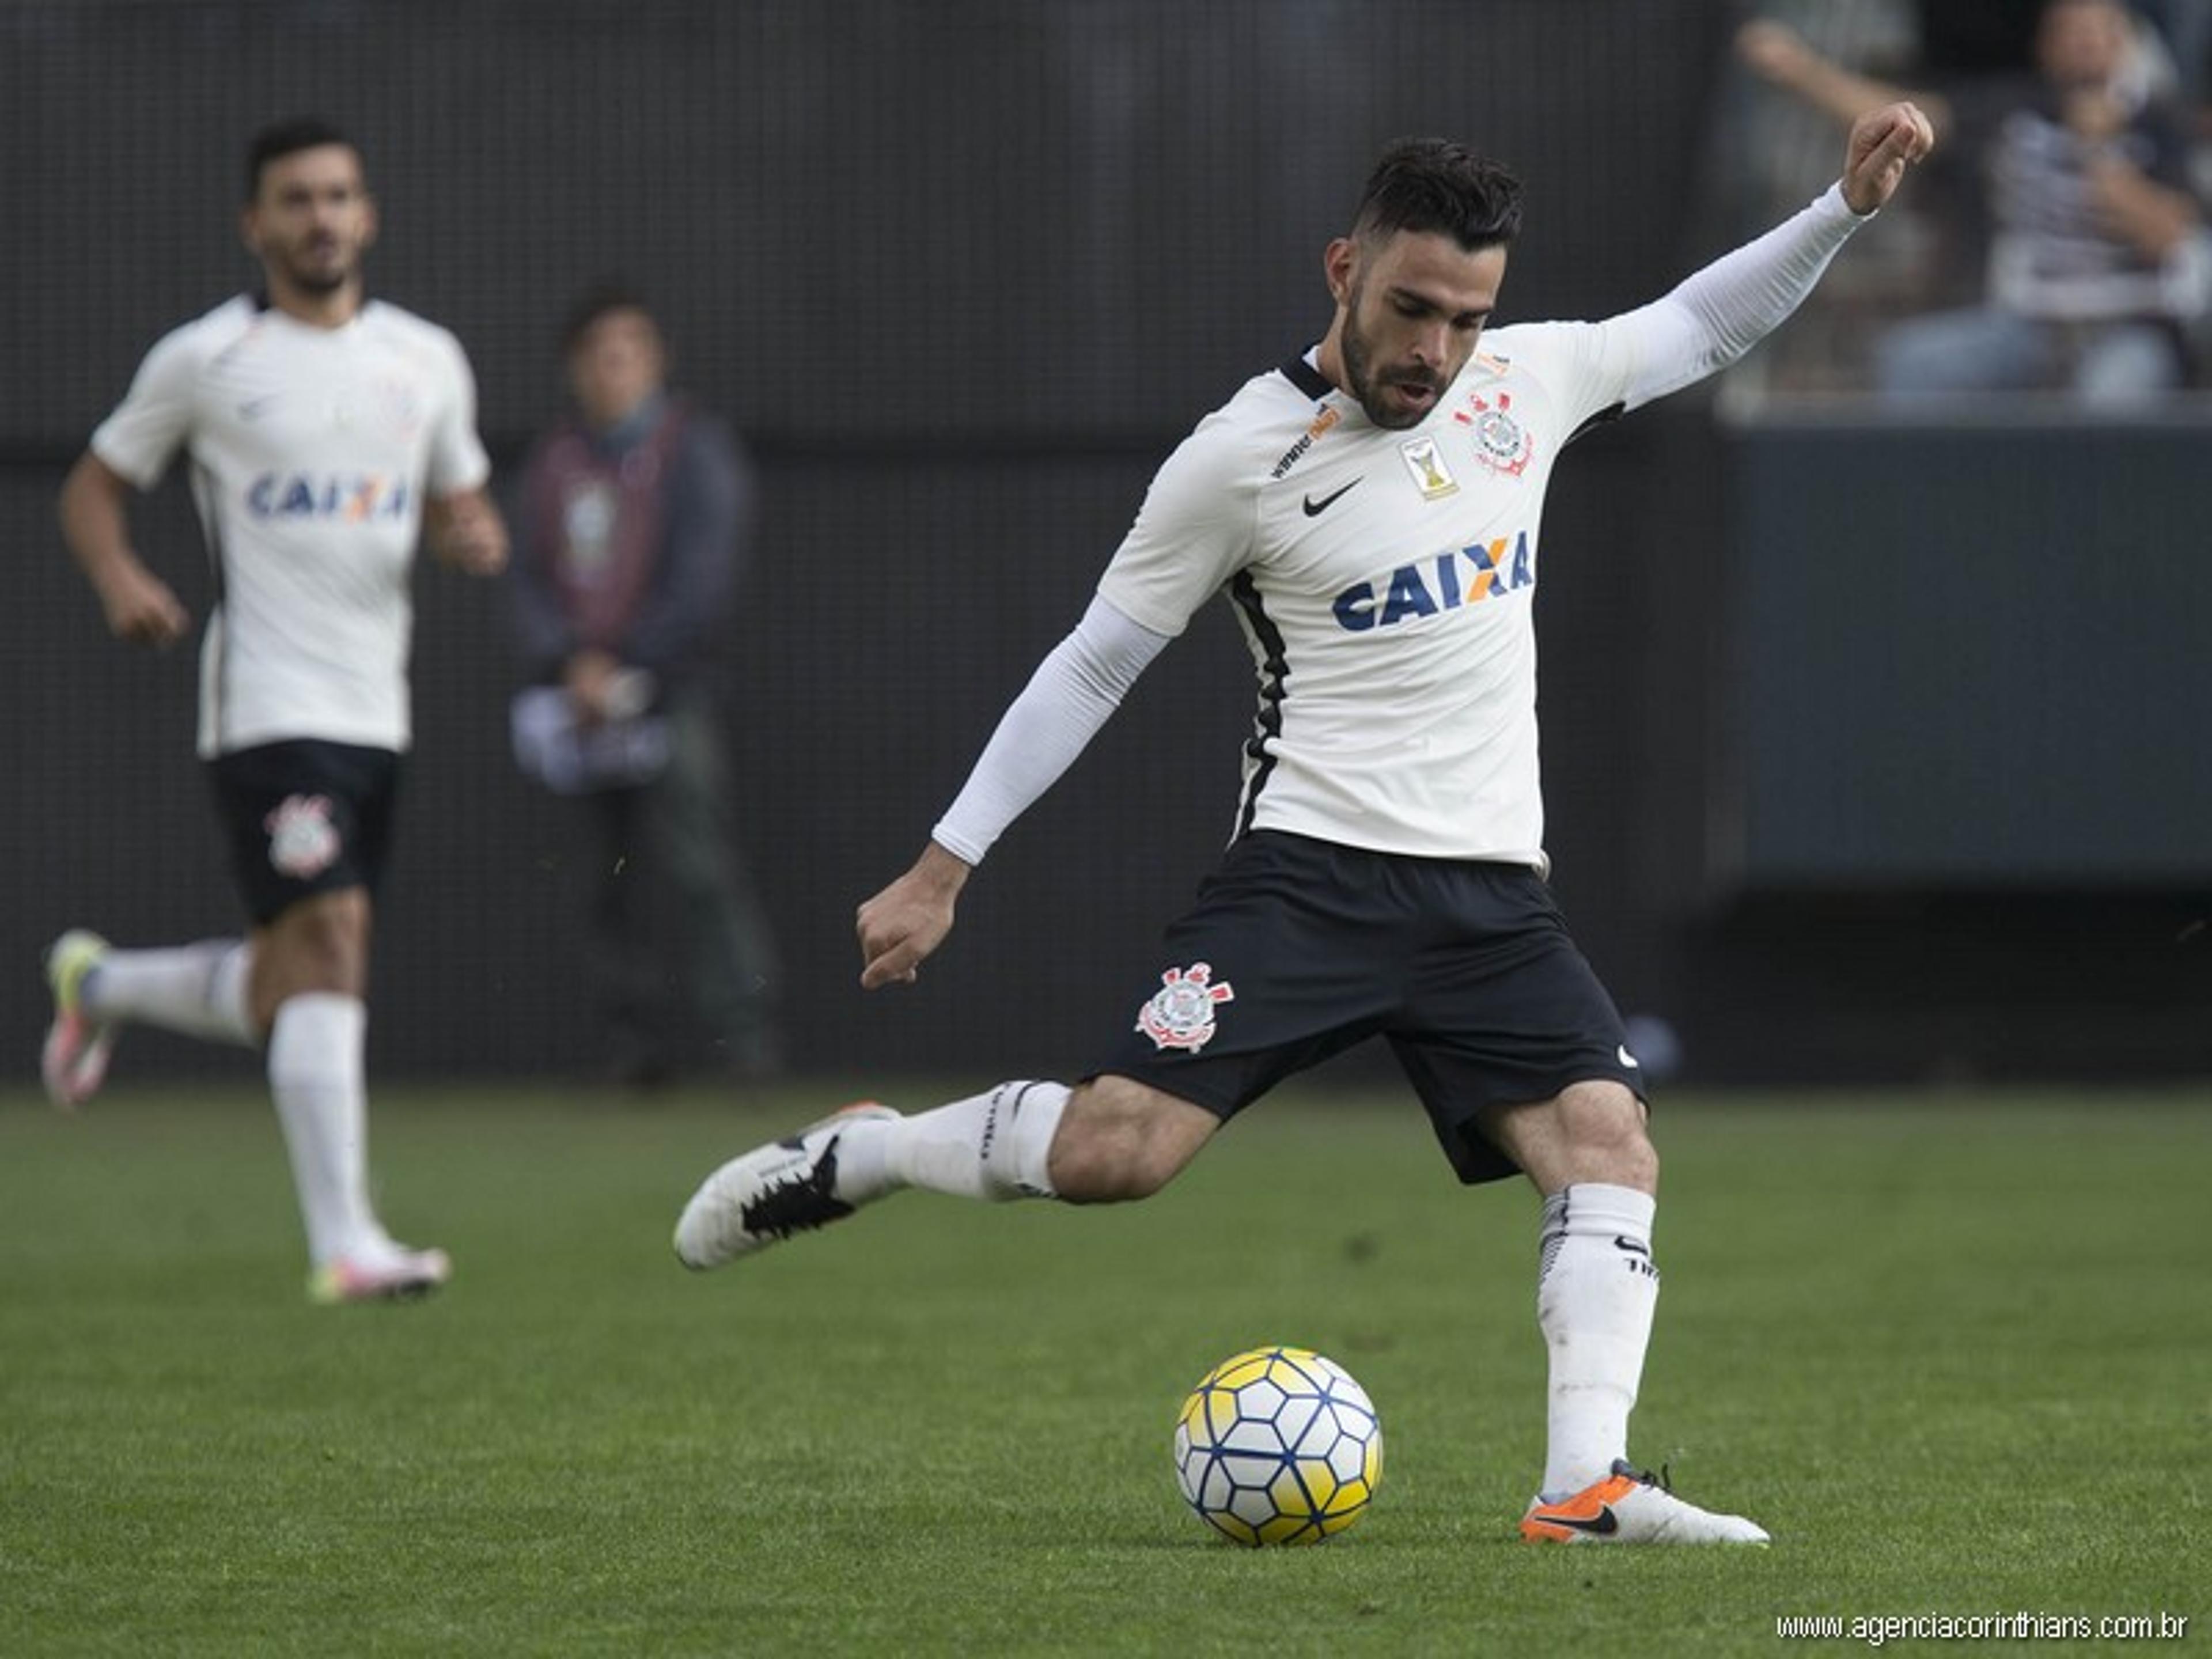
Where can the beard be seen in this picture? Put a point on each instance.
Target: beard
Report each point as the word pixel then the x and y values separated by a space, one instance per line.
pixel 313 274
pixel 1359 370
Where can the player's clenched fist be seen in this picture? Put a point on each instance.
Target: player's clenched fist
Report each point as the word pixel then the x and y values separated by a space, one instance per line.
pixel 909 919
pixel 140 607
pixel 466 531
pixel 1883 142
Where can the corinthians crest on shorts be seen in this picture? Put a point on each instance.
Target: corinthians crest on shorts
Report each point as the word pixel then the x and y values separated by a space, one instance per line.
pixel 1179 1014
pixel 303 841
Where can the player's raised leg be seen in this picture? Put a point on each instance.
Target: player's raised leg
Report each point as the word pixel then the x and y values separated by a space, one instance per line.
pixel 1106 1140
pixel 194 990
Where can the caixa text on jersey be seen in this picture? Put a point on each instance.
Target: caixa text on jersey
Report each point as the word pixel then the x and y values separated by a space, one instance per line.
pixel 1482 571
pixel 358 497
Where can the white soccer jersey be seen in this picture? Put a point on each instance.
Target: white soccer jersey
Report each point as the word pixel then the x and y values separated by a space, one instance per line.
pixel 311 450
pixel 1384 580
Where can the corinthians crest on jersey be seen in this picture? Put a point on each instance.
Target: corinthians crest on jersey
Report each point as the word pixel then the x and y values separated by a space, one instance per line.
pixel 1501 442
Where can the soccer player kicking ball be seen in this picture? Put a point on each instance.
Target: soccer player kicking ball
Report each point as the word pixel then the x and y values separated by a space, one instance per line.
pixel 1372 509
pixel 323 428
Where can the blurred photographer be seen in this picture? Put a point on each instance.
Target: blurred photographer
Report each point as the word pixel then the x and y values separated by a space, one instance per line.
pixel 630 538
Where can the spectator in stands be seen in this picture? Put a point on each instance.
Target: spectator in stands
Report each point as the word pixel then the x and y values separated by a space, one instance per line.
pixel 2096 273
pixel 628 540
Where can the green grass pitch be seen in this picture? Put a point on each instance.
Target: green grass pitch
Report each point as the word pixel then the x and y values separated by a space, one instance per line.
pixel 1954 1350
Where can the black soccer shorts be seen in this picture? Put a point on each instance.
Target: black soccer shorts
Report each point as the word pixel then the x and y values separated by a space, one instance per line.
pixel 304 816
pixel 1297 949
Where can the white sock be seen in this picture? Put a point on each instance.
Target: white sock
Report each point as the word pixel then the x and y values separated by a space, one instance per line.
pixel 1595 1293
pixel 994 1145
pixel 316 1073
pixel 195 990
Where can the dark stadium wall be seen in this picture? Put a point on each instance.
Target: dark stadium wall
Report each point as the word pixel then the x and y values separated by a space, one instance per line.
pixel 963 273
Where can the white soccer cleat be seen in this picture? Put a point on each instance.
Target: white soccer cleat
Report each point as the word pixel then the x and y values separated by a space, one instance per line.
pixel 1629 1507
pixel 73 1064
pixel 787 1187
pixel 397 1275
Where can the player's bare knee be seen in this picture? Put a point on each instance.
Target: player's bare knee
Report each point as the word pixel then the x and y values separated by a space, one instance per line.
pixel 1636 1164
pixel 1604 1125
pixel 1095 1164
pixel 321 944
pixel 1119 1140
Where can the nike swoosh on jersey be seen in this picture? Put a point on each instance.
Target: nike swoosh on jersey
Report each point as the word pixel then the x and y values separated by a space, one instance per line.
pixel 1316 509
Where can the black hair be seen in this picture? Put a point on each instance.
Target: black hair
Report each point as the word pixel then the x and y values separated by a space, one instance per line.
pixel 600 300
pixel 287 137
pixel 1434 185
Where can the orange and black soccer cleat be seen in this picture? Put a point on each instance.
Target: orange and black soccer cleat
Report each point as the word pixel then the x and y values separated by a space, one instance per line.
pixel 1629 1507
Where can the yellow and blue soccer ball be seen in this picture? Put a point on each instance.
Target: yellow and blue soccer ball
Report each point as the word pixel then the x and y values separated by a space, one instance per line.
pixel 1279 1446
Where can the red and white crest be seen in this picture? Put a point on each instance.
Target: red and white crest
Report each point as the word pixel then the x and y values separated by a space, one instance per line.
pixel 302 840
pixel 1501 443
pixel 1179 1014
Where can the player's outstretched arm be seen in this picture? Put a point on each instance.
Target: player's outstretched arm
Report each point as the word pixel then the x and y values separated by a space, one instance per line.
pixel 1883 142
pixel 901 925
pixel 95 524
pixel 1712 316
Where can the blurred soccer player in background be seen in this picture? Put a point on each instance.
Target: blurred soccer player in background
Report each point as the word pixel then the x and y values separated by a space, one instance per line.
pixel 630 541
pixel 1372 510
pixel 328 433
